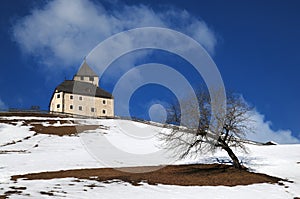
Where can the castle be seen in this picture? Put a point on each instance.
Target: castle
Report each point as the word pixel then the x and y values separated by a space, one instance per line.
pixel 82 96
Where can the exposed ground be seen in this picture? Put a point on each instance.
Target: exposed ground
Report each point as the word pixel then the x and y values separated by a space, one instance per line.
pixel 31 114
pixel 36 125
pixel 184 175
pixel 62 130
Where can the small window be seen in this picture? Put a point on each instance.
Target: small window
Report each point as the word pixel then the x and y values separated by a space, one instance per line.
pixel 71 106
pixel 92 110
pixel 58 95
pixel 80 108
pixel 104 101
pixel 58 106
pixel 71 97
pixel 104 111
pixel 80 98
pixel 91 79
pixel 81 78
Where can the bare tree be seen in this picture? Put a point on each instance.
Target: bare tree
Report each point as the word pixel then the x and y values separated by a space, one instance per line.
pixel 213 131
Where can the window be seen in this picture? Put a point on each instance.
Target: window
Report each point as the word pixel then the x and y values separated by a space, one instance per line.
pixel 58 95
pixel 71 106
pixel 104 111
pixel 91 79
pixel 81 78
pixel 71 97
pixel 92 110
pixel 80 98
pixel 80 108
pixel 58 106
pixel 104 101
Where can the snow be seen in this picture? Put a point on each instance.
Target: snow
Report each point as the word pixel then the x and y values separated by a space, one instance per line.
pixel 12 133
pixel 36 153
pixel 57 124
pixel 140 138
pixel 66 187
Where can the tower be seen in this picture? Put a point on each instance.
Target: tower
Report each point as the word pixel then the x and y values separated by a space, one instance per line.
pixel 86 74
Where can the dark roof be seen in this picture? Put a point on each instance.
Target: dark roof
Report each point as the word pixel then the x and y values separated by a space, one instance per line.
pixel 82 88
pixel 85 70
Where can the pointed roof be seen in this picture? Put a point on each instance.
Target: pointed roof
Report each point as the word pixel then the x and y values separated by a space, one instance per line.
pixel 85 70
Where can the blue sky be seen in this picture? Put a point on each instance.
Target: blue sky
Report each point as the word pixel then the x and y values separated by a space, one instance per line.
pixel 255 45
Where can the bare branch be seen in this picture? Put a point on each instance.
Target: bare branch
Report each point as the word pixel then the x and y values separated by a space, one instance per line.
pixel 194 139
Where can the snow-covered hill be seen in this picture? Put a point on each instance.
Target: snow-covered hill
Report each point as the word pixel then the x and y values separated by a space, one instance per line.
pixel 24 151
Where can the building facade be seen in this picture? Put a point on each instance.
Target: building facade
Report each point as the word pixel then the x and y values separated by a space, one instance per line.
pixel 82 96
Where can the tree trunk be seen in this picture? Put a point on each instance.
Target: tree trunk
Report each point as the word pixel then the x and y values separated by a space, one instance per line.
pixel 235 160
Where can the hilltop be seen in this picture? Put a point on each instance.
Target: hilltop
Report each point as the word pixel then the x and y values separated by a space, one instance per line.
pixel 53 153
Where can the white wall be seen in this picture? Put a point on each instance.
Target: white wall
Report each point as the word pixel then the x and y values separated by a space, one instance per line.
pixel 102 106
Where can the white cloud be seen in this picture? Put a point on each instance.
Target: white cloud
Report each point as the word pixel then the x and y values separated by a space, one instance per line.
pixel 62 32
pixel 263 131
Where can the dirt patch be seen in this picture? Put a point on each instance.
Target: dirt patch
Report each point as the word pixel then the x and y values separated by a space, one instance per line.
pixel 31 114
pixel 18 188
pixel 12 151
pixel 26 122
pixel 184 175
pixel 49 121
pixel 13 192
pixel 47 193
pixel 39 128
pixel 62 130
pixel 4 121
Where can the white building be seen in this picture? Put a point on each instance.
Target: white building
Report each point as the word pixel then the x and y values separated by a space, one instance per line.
pixel 82 96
